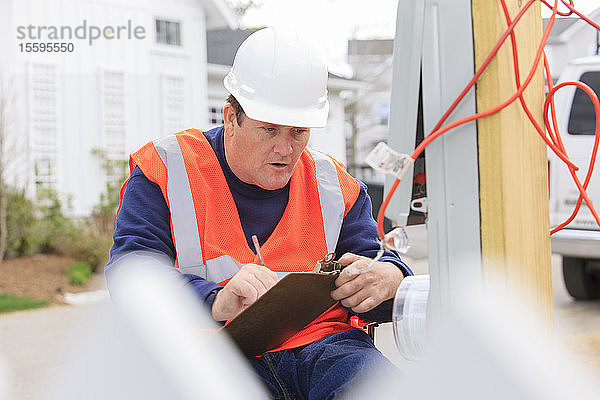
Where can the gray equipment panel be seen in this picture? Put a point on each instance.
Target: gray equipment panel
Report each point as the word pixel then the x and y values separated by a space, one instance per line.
pixel 444 43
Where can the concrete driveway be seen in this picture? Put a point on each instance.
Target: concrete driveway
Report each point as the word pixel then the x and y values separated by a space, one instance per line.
pixel 31 342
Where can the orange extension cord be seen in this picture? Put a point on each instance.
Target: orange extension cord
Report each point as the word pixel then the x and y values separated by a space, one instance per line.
pixel 553 141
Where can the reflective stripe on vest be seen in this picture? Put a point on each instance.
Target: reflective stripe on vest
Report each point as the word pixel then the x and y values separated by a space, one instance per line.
pixel 221 268
pixel 185 225
pixel 330 197
pixel 181 206
pixel 225 267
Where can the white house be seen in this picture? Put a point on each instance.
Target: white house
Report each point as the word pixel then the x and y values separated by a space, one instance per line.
pixel 86 74
pixel 571 37
pixel 222 45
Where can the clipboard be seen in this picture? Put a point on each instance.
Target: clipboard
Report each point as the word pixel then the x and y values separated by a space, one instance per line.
pixel 294 302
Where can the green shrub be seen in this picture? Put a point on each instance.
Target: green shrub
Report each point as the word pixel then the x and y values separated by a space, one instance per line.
pixel 79 272
pixel 90 246
pixel 82 239
pixel 85 242
pixel 90 239
pixel 9 302
pixel 54 228
pixel 21 224
pixel 44 227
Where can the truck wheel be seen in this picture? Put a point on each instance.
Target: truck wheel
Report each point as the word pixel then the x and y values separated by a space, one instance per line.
pixel 581 283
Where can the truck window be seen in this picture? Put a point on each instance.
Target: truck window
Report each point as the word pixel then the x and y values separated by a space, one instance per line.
pixel 582 119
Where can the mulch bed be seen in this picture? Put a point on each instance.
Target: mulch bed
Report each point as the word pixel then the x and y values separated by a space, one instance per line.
pixel 42 276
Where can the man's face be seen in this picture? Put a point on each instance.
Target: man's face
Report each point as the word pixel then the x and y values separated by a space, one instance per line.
pixel 261 153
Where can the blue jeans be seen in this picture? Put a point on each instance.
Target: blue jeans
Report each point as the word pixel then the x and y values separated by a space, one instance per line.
pixel 321 369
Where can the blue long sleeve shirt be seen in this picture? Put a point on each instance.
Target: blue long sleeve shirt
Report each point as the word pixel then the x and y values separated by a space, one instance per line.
pixel 143 223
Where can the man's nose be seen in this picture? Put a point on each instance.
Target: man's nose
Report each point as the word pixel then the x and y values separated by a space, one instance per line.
pixel 283 146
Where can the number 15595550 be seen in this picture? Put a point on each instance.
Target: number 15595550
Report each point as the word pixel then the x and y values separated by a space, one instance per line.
pixel 34 47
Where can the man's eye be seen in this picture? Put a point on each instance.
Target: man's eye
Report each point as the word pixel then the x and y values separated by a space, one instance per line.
pixel 269 129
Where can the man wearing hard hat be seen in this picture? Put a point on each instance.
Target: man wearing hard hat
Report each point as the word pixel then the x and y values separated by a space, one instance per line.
pixel 194 200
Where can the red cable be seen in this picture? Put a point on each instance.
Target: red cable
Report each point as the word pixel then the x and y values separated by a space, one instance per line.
pixel 582 188
pixel 556 137
pixel 555 134
pixel 573 10
pixel 438 132
pixel 515 54
pixel 562 14
pixel 555 143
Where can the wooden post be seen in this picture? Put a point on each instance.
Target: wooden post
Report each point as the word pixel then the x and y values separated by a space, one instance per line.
pixel 515 238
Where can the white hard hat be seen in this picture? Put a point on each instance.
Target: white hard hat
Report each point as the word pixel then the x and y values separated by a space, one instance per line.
pixel 278 78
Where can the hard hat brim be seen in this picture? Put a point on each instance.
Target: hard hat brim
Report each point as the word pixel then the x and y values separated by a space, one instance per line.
pixel 306 117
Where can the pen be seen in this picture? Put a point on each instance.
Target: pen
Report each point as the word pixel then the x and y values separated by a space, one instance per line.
pixel 257 249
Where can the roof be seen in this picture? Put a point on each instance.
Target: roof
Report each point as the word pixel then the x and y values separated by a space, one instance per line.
pixel 222 44
pixel 564 28
pixel 560 25
pixel 219 14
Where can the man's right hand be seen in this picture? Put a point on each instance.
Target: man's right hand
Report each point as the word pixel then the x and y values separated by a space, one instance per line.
pixel 251 282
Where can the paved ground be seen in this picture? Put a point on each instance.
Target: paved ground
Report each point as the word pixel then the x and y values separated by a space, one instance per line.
pixel 577 324
pixel 31 342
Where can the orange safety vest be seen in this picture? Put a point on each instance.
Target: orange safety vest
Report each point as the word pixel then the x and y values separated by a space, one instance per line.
pixel 206 229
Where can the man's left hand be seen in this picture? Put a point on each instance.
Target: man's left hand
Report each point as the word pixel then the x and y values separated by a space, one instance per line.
pixel 365 291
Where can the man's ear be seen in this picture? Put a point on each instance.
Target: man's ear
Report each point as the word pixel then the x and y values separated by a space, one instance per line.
pixel 229 118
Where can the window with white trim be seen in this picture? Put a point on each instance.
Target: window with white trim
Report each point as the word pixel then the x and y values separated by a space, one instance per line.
pixel 114 124
pixel 168 32
pixel 215 116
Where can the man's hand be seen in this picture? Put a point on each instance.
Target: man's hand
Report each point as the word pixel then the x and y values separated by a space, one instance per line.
pixel 365 291
pixel 251 282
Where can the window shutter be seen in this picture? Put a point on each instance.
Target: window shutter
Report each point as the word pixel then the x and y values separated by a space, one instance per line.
pixel 43 117
pixel 173 104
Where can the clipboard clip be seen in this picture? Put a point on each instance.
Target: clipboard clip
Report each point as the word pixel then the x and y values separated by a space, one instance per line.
pixel 327 265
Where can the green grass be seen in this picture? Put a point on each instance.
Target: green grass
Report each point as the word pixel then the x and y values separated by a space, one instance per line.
pixel 79 272
pixel 9 302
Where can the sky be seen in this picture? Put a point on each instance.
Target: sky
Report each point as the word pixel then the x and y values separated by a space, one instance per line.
pixel 331 23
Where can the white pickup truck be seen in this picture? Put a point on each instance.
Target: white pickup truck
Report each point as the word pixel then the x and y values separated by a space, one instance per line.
pixel 579 242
